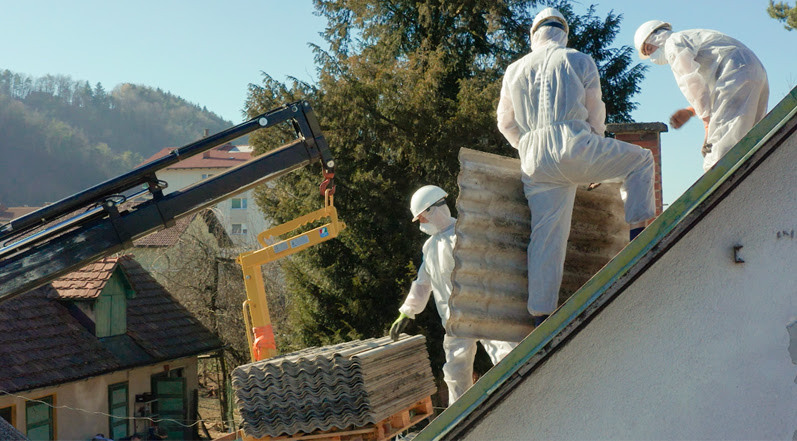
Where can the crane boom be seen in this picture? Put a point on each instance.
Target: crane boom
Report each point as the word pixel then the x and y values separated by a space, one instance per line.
pixel 59 238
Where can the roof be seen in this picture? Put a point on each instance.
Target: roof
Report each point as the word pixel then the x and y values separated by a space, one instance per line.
pixel 9 433
pixel 224 156
pixel 574 315
pixel 43 344
pixel 11 213
pixel 169 236
pixel 87 282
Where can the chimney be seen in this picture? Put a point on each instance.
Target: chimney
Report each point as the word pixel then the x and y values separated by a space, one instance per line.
pixel 206 133
pixel 645 135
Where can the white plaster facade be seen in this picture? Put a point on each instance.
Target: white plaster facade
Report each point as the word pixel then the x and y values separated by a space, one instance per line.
pixel 698 347
pixel 91 397
pixel 249 221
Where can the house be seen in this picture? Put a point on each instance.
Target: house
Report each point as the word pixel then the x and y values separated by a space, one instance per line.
pixel 688 333
pixel 240 216
pixel 167 249
pixel 100 350
pixel 9 213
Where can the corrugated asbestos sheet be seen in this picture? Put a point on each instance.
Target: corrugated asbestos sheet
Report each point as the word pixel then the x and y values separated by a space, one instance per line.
pixel 347 385
pixel 490 288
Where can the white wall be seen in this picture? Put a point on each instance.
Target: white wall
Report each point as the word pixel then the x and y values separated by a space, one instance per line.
pixel 91 395
pixel 696 348
pixel 252 217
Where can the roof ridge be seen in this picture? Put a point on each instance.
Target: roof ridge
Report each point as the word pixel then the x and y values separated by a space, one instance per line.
pixel 620 271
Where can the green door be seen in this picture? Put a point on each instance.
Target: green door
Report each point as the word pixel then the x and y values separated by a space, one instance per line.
pixel 171 405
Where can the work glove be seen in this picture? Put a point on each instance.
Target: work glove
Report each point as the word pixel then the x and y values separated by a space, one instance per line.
pixel 680 117
pixel 398 326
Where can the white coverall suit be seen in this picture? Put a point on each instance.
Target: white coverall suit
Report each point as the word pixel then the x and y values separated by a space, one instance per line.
pixel 434 275
pixel 551 111
pixel 722 79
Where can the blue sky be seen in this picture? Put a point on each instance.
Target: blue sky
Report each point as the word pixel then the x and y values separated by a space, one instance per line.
pixel 208 51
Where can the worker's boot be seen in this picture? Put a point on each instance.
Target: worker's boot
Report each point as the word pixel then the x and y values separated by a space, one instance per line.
pixel 538 319
pixel 635 232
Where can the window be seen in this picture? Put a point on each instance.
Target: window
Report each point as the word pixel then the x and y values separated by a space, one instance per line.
pixel 118 408
pixel 7 413
pixel 39 421
pixel 205 176
pixel 239 229
pixel 239 203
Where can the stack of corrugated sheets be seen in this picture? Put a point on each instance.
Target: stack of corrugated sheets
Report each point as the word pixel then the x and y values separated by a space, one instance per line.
pixel 334 387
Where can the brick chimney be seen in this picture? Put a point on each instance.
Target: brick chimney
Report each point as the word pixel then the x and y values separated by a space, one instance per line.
pixel 645 135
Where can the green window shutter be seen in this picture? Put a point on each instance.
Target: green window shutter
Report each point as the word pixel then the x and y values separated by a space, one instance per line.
pixel 119 410
pixel 119 314
pixel 39 419
pixel 111 307
pixel 172 405
pixel 102 316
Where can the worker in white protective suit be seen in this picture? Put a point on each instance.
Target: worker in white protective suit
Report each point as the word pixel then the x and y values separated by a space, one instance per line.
pixel 428 206
pixel 723 81
pixel 551 111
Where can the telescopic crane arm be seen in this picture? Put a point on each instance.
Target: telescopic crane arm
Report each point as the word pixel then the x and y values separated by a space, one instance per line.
pixel 62 237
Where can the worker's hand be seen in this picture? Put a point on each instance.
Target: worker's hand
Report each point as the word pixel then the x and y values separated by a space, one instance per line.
pixel 398 326
pixel 680 117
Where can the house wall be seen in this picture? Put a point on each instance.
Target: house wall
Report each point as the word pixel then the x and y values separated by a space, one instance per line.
pixel 92 395
pixel 698 347
pixel 252 217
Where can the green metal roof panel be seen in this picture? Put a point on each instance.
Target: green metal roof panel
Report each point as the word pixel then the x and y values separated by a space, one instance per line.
pixel 624 268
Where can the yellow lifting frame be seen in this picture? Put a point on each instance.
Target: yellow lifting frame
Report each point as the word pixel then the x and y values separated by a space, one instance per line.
pixel 255 307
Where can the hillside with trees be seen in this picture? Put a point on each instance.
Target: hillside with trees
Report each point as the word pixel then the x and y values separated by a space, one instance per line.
pixel 59 136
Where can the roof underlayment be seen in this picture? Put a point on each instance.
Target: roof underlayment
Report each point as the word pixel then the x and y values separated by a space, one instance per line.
pixel 633 260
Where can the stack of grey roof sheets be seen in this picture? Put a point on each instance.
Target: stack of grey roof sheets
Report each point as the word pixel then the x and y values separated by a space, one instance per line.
pixel 490 285
pixel 334 387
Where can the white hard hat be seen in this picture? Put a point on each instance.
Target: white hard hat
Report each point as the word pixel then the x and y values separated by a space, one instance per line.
pixel 545 15
pixel 424 198
pixel 644 31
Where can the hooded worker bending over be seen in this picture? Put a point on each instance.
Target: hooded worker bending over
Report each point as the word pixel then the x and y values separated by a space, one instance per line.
pixel 725 83
pixel 551 111
pixel 428 206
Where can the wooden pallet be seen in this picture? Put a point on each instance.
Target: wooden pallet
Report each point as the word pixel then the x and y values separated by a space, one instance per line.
pixel 383 430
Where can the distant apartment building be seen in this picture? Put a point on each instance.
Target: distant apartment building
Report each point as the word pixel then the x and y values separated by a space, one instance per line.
pixel 239 215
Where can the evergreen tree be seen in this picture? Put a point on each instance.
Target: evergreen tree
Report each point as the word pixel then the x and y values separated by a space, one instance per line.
pixel 782 12
pixel 404 85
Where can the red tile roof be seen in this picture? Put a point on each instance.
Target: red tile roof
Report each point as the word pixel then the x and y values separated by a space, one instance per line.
pixel 167 236
pixel 217 157
pixel 43 344
pixel 11 213
pixel 87 282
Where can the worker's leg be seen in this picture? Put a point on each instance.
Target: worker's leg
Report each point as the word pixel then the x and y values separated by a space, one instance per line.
pixel 595 158
pixel 458 370
pixel 551 211
pixel 497 349
pixel 737 108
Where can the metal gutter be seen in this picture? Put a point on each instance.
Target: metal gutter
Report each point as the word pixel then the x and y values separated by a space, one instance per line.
pixel 619 272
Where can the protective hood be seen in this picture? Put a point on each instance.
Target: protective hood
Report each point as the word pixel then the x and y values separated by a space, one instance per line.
pixel 438 219
pixel 546 35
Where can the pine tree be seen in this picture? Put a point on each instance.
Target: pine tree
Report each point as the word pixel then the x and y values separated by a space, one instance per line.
pixel 404 85
pixel 782 12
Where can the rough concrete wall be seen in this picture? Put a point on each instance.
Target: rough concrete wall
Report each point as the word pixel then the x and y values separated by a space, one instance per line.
pixel 699 347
